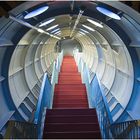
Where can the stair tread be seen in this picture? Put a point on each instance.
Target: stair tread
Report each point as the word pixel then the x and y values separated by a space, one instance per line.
pixel 72 115
pixel 75 132
pixel 72 123
pixel 71 119
pixel 71 127
pixel 73 135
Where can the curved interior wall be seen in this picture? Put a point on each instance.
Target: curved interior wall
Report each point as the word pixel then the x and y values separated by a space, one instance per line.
pixel 105 51
pixel 33 56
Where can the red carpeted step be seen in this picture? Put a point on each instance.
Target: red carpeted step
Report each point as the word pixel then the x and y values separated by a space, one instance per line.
pixel 74 101
pixel 71 77
pixel 73 135
pixel 72 93
pixel 70 86
pixel 70 105
pixel 67 112
pixel 69 80
pixel 69 127
pixel 69 119
pixel 72 97
pixel 70 90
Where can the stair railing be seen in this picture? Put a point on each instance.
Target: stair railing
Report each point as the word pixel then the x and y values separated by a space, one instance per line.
pixel 126 130
pixel 96 98
pixel 102 109
pixel 45 99
pixel 20 130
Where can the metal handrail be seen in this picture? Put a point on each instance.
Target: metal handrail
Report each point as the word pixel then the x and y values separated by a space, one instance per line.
pixel 46 95
pixel 97 99
pixel 21 130
pixel 127 130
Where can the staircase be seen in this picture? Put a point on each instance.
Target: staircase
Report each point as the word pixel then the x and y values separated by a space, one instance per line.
pixel 70 117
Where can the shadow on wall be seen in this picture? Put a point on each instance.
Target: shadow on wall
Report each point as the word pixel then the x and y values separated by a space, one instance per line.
pixel 68 45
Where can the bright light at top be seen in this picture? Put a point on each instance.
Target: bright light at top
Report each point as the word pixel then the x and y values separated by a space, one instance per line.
pixel 52 27
pixel 46 22
pixel 89 28
pixel 55 30
pixel 95 23
pixel 84 31
pixel 108 13
pixel 36 12
pixel 40 30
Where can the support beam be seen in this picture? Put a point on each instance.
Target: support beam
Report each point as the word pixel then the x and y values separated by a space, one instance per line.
pixel 33 27
pixel 76 22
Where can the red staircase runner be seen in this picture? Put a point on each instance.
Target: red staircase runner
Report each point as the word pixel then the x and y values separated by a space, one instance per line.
pixel 70 116
pixel 70 92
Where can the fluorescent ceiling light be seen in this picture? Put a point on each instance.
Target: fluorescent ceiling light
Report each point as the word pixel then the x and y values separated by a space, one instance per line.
pixel 52 27
pixel 59 33
pixel 36 12
pixel 40 30
pixel 55 30
pixel 84 31
pixel 89 28
pixel 95 23
pixel 79 34
pixel 46 22
pixel 108 13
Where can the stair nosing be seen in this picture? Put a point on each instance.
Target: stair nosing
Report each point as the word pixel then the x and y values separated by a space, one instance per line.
pixel 71 123
pixel 73 132
pixel 71 115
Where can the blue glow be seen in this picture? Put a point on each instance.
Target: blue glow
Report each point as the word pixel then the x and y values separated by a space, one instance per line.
pixel 108 13
pixel 36 12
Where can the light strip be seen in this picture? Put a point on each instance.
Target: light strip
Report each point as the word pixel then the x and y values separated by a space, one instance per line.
pixel 95 23
pixel 55 30
pixel 40 30
pixel 51 27
pixel 58 33
pixel 84 31
pixel 89 28
pixel 32 27
pixel 76 22
pixel 46 22
pixel 36 12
